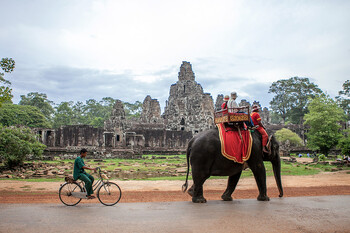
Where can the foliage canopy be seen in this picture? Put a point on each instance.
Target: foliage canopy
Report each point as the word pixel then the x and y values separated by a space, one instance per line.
pixel 323 119
pixel 292 97
pixel 93 112
pixel 25 115
pixel 63 115
pixel 40 101
pixel 344 98
pixel 133 110
pixel 7 65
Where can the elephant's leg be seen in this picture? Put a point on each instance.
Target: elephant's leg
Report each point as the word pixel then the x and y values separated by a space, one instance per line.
pixel 231 186
pixel 258 169
pixel 198 181
pixel 198 193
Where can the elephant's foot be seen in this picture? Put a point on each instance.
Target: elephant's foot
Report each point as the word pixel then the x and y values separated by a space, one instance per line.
pixel 226 198
pixel 190 191
pixel 263 198
pixel 199 199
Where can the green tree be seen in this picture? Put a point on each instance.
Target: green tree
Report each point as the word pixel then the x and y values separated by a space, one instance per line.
pixel 16 144
pixel 78 113
pixel 92 113
pixel 40 101
pixel 25 115
pixel 323 120
pixel 7 65
pixel 344 98
pixel 96 112
pixel 92 109
pixel 133 110
pixel 284 135
pixel 275 118
pixel 344 143
pixel 292 97
pixel 63 115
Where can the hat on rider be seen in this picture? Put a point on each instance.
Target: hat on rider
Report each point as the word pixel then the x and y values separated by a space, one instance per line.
pixel 226 98
pixel 234 93
pixel 255 108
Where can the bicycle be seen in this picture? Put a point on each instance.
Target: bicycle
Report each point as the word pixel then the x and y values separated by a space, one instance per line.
pixel 72 191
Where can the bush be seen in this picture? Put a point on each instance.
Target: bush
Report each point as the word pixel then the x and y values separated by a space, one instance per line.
pixel 284 135
pixel 322 157
pixel 16 144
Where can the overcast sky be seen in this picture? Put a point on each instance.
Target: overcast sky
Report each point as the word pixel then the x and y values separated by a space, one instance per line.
pixel 80 50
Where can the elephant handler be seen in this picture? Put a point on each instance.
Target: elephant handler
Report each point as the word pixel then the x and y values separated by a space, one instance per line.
pixel 79 173
pixel 260 127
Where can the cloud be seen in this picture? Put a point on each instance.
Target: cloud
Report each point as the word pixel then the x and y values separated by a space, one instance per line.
pixel 73 84
pixel 129 49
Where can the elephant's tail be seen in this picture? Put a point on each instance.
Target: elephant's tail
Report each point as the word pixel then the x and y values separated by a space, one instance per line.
pixel 185 185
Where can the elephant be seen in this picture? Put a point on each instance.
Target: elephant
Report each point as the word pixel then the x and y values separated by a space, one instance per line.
pixel 204 155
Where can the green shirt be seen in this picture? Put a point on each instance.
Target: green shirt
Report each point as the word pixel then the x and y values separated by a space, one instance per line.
pixel 78 167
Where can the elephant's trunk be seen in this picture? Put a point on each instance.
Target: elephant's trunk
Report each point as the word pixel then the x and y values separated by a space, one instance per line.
pixel 276 165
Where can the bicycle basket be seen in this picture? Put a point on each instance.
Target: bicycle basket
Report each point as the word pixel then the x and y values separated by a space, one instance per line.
pixel 104 176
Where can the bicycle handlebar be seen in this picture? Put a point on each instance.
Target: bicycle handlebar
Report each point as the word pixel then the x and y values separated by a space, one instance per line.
pixel 98 169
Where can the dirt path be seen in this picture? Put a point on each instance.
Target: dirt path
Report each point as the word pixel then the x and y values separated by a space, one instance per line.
pixel 149 191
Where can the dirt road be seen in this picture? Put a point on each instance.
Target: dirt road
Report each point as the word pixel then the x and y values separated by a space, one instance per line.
pixel 163 191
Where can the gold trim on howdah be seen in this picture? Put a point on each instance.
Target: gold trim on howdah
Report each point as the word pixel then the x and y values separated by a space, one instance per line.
pixel 232 117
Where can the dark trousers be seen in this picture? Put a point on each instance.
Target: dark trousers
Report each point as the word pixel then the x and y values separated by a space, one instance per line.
pixel 88 180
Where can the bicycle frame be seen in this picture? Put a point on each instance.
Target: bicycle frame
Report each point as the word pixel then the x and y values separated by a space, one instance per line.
pixel 96 184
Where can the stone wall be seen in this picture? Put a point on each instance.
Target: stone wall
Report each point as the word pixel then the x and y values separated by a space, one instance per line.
pixel 164 140
pixel 70 136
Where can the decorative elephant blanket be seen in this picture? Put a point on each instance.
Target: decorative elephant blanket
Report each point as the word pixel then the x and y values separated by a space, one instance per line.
pixel 235 145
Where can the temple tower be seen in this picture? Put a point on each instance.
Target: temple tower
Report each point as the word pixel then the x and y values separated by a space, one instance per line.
pixel 151 111
pixel 188 107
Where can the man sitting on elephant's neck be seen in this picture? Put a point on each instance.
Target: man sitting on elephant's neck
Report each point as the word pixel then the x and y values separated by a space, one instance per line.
pixel 260 127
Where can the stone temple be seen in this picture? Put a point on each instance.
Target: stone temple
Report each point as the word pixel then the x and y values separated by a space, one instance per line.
pixel 188 111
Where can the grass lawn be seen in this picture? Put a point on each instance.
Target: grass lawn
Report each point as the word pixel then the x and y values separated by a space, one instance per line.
pixel 165 167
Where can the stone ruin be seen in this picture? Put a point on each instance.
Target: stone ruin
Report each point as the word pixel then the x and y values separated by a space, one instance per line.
pixel 188 111
pixel 188 107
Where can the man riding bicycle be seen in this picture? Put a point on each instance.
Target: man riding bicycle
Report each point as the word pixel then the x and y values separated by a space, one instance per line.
pixel 79 173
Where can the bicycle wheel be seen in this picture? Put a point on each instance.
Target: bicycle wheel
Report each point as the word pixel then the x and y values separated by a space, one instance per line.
pixel 109 193
pixel 65 193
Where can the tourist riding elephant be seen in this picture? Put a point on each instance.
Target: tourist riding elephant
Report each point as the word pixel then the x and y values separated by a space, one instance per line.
pixel 204 154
